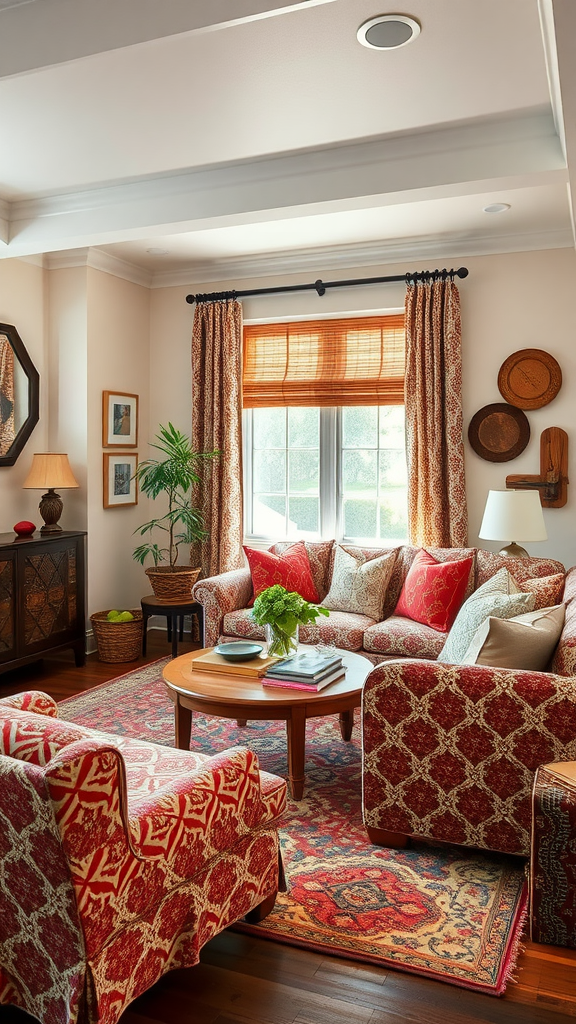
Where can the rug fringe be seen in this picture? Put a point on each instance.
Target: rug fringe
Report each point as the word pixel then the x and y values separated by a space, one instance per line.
pixel 516 947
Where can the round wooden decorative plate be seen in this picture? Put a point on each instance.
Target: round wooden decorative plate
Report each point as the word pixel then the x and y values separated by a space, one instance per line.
pixel 529 378
pixel 499 432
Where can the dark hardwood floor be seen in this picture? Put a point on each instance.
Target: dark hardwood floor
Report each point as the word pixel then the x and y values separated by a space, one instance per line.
pixel 245 980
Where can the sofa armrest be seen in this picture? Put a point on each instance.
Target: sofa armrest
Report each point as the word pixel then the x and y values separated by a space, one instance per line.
pixel 32 700
pixel 219 595
pixel 450 751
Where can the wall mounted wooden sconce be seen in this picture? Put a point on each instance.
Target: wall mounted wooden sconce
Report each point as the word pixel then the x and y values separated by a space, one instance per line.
pixel 553 479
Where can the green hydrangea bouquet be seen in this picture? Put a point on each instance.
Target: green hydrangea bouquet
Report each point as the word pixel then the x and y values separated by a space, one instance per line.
pixel 282 612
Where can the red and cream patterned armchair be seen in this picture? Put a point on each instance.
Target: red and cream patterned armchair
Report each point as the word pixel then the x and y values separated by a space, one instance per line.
pixel 119 859
pixel 450 751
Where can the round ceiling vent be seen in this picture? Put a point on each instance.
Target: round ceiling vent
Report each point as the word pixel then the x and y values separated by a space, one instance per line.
pixel 388 31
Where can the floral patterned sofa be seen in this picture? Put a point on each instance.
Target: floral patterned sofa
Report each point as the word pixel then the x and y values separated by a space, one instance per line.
pixel 450 751
pixel 120 859
pixel 225 599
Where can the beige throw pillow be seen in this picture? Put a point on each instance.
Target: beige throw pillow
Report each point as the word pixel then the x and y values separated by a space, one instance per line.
pixel 526 641
pixel 500 597
pixel 359 584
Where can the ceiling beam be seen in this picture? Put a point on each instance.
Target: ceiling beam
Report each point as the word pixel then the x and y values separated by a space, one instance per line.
pixel 32 36
pixel 558 18
pixel 509 152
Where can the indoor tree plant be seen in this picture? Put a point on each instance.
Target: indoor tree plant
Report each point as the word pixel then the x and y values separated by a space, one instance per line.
pixel 282 612
pixel 172 476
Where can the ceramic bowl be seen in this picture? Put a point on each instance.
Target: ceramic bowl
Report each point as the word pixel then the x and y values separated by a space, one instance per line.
pixel 239 650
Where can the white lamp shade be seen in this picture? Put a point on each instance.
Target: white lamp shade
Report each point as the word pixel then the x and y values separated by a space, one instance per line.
pixel 50 469
pixel 513 515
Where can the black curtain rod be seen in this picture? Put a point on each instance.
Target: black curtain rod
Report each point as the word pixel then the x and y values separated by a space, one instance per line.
pixel 321 286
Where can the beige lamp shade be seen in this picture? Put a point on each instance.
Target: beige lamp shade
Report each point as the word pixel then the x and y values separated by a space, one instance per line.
pixel 52 470
pixel 513 515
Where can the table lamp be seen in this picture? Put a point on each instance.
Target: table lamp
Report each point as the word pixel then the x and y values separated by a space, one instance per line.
pixel 513 514
pixel 51 470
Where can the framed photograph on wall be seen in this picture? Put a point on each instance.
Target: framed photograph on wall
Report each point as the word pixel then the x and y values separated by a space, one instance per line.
pixel 120 487
pixel 119 420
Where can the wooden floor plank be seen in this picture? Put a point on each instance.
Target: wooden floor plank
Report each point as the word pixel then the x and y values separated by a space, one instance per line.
pixel 243 979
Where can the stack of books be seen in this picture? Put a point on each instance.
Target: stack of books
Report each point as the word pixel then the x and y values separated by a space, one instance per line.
pixel 310 671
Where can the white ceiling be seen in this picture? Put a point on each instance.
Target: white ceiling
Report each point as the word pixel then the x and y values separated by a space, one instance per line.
pixel 225 130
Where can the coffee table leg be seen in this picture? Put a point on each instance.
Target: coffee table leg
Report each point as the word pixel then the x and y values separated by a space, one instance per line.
pixel 296 735
pixel 183 726
pixel 346 724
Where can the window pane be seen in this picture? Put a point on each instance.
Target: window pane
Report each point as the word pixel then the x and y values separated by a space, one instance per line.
pixel 303 428
pixel 392 420
pixel 360 426
pixel 304 469
pixel 269 428
pixel 359 471
pixel 392 469
pixel 360 518
pixel 269 515
pixel 303 515
pixel 269 471
pixel 393 515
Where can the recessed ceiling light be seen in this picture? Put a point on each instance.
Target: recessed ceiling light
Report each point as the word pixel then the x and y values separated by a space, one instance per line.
pixel 388 31
pixel 158 252
pixel 497 208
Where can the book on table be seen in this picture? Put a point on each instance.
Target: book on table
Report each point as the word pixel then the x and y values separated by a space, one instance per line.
pixel 300 683
pixel 212 662
pixel 308 667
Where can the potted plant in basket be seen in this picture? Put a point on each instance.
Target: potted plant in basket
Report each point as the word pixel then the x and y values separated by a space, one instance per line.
pixel 281 612
pixel 173 477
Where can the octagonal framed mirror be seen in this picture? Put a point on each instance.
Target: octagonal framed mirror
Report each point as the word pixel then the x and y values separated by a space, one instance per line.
pixel 19 395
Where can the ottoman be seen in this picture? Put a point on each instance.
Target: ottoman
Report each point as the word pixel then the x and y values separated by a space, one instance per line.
pixel 553 855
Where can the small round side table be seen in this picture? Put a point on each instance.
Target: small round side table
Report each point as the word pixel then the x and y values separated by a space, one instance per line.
pixel 174 609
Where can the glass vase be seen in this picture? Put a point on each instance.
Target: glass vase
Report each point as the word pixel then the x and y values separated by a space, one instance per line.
pixel 281 644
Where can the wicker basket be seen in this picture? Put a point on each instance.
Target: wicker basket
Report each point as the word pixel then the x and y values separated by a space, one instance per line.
pixel 175 582
pixel 118 641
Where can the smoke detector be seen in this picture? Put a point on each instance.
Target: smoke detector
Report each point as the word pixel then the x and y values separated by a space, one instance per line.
pixel 388 31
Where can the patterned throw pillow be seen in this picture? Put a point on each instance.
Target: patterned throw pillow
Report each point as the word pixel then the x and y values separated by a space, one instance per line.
pixel 547 590
pixel 500 597
pixel 291 569
pixel 359 583
pixel 524 642
pixel 433 591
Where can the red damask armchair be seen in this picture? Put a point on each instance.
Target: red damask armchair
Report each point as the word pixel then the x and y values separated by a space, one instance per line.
pixel 119 859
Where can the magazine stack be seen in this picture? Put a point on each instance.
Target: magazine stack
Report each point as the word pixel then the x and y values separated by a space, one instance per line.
pixel 310 671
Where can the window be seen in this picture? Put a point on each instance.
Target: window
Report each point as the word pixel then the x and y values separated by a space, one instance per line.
pixel 314 468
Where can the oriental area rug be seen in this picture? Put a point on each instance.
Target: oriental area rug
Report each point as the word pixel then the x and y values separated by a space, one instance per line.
pixel 446 913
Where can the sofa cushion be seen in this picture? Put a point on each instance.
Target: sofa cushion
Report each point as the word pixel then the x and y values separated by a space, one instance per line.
pixel 488 563
pixel 500 597
pixel 406 555
pixel 345 629
pixel 525 642
pixel 358 583
pixel 434 591
pixel 291 570
pixel 401 637
pixel 320 558
pixel 547 590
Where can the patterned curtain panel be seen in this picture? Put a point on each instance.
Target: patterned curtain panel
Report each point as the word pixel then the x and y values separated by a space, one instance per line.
pixel 217 423
pixel 437 512
pixel 7 428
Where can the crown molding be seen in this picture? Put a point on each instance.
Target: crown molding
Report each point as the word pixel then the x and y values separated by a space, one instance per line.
pixel 97 259
pixel 321 260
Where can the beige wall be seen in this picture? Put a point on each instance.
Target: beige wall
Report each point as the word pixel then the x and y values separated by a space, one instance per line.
pixel 509 302
pixel 22 304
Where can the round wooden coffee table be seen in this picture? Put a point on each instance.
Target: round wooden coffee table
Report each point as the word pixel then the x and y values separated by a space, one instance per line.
pixel 229 695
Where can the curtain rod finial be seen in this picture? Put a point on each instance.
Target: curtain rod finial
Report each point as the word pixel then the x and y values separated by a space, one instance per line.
pixel 462 272
pixel 190 299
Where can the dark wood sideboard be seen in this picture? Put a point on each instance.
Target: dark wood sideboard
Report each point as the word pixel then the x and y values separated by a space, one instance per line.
pixel 42 596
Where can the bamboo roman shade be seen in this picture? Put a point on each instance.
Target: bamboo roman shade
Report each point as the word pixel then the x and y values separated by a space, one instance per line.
pixel 357 361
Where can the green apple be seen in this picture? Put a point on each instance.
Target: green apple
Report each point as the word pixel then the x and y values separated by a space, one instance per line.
pixel 124 617
pixel 112 615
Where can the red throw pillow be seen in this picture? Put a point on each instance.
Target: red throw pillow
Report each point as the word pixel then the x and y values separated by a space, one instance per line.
pixel 291 569
pixel 433 591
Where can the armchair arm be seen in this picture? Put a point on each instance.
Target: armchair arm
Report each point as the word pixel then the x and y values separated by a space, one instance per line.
pixel 219 595
pixel 449 751
pixel 32 700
